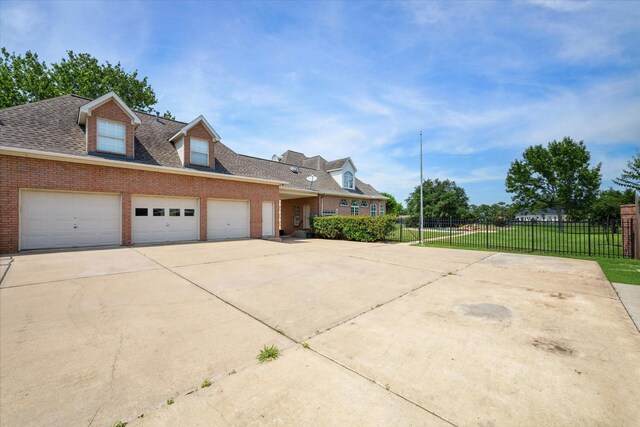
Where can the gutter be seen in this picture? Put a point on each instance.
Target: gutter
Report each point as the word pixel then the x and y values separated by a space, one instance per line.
pixel 72 158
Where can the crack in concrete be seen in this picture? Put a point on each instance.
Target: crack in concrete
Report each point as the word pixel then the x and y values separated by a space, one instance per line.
pixel 113 371
pixel 406 399
pixel 4 274
pixel 78 278
pixel 95 414
pixel 221 299
pixel 115 360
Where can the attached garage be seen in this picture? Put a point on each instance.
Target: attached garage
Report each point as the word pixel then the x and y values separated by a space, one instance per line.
pixel 164 219
pixel 50 219
pixel 227 219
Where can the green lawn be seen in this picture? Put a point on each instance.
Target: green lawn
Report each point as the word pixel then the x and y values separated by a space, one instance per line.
pixel 621 270
pixel 410 234
pixel 575 239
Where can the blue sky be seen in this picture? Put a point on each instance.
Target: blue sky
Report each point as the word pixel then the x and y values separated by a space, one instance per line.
pixel 483 80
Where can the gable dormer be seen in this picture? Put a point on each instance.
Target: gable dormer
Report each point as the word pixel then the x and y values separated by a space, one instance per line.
pixel 344 172
pixel 195 144
pixel 109 126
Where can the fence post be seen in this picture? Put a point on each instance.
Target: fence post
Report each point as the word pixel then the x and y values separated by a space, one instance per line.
pixel 589 235
pixel 450 231
pixel 533 241
pixel 486 234
pixel 400 229
pixel 633 238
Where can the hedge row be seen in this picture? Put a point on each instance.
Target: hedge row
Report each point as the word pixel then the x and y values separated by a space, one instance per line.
pixel 359 228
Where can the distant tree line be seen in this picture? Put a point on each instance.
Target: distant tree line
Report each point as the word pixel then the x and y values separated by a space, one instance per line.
pixel 558 176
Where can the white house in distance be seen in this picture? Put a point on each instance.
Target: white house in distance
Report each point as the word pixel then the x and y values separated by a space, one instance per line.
pixel 545 215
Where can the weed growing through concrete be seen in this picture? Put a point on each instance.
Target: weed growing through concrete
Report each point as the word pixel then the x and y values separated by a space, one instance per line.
pixel 232 372
pixel 169 401
pixel 268 353
pixel 205 384
pixel 305 345
pixel 119 424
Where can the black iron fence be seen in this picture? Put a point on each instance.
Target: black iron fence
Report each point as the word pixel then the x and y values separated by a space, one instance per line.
pixel 615 238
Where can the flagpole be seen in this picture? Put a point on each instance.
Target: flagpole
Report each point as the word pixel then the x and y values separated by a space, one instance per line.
pixel 421 201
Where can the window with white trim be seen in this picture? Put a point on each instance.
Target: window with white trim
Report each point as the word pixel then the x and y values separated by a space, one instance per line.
pixel 199 152
pixel 355 209
pixel 111 137
pixel 347 180
pixel 374 210
pixel 381 209
pixel 343 202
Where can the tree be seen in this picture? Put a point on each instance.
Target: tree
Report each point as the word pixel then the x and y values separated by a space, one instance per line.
pixel 630 177
pixel 607 205
pixel 441 199
pixel 26 79
pixel 558 177
pixel 494 212
pixel 393 207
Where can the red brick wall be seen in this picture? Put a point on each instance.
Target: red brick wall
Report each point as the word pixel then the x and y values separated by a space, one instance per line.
pixel 331 203
pixel 20 172
pixel 317 205
pixel 110 111
pixel 287 209
pixel 200 132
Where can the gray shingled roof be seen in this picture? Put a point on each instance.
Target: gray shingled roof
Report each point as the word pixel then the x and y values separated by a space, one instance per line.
pixel 336 164
pixel 51 125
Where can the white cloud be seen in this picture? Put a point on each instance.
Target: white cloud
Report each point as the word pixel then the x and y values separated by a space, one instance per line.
pixel 561 5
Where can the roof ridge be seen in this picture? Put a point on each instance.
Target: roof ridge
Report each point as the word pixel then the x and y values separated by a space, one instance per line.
pixel 273 161
pixel 164 118
pixel 39 100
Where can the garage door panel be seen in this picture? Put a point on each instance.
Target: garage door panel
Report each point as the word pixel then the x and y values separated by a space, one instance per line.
pixel 158 225
pixel 61 220
pixel 227 219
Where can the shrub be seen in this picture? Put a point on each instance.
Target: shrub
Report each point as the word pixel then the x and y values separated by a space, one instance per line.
pixel 358 228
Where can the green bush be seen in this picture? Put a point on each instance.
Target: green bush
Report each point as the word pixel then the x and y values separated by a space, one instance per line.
pixel 358 228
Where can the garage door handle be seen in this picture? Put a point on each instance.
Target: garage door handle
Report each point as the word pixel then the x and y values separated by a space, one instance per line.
pixel 75 226
pixel 167 224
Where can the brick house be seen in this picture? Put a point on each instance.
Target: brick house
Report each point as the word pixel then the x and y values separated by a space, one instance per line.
pixel 78 172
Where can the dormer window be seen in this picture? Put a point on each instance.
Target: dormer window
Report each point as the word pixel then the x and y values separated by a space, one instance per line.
pixel 111 137
pixel 110 126
pixel 347 180
pixel 199 152
pixel 195 144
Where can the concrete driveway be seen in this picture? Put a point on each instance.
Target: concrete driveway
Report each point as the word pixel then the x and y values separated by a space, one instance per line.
pixel 397 335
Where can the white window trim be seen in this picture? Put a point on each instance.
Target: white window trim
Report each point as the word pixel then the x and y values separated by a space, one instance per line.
pixel 344 177
pixel 98 136
pixel 374 209
pixel 382 212
pixel 191 151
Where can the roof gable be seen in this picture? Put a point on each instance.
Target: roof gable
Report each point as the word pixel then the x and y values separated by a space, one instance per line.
pixel 85 110
pixel 335 165
pixel 199 119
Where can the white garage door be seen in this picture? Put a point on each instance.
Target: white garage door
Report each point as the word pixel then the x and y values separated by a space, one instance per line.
pixel 227 219
pixel 164 219
pixel 51 219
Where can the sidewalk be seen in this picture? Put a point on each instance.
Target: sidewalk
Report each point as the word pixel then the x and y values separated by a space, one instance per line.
pixel 630 297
